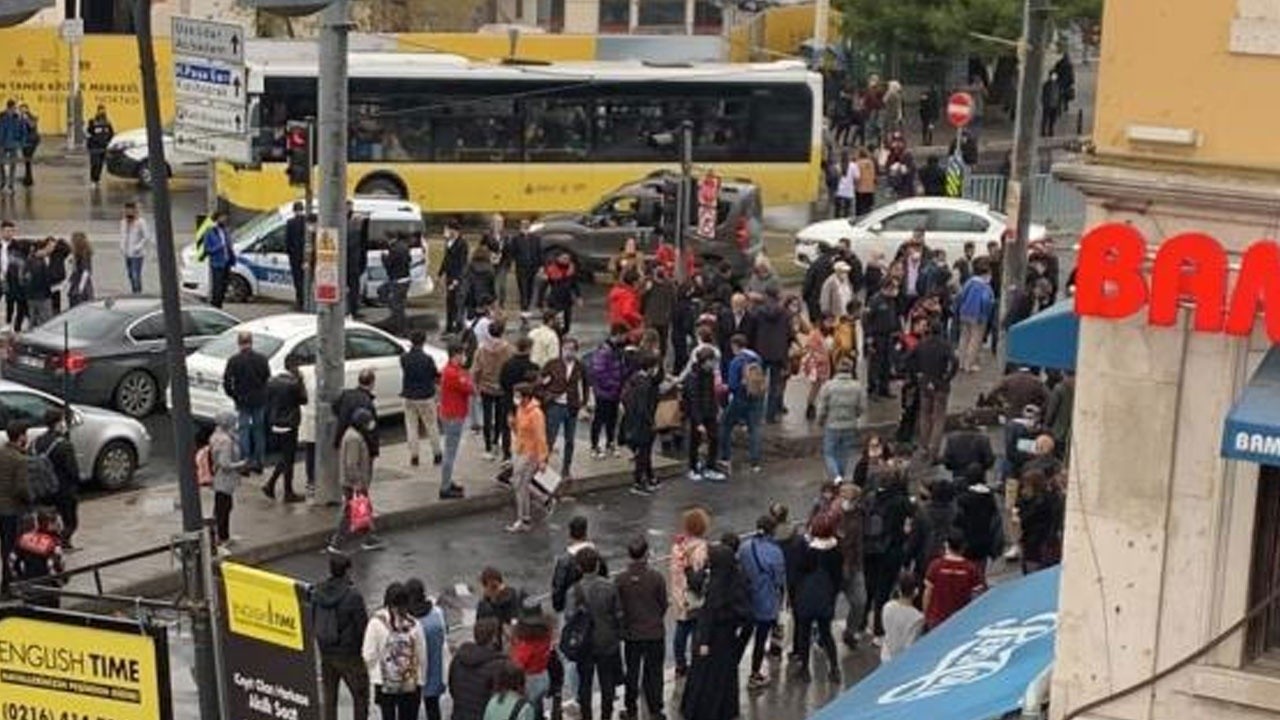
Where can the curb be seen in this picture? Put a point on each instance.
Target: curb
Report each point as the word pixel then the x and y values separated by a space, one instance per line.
pixel 170 583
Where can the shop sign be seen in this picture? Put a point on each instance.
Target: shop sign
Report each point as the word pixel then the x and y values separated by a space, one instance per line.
pixel 1112 281
pixel 268 659
pixel 66 665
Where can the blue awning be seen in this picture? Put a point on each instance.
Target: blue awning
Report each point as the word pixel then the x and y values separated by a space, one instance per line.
pixel 1252 429
pixel 1047 339
pixel 975 666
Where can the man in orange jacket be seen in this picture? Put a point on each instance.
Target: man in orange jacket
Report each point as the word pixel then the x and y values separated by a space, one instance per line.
pixel 531 452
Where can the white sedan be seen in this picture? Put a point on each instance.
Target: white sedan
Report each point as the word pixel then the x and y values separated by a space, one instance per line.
pixel 279 337
pixel 948 223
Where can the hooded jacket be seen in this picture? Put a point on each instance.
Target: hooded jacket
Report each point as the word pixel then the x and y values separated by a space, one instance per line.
pixel 600 596
pixel 766 571
pixel 624 306
pixel 659 303
pixel 224 450
pixel 479 284
pixel 607 371
pixel 471 679
pixel 642 594
pixel 773 333
pixel 339 595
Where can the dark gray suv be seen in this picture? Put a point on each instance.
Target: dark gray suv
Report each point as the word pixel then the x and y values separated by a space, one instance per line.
pixel 636 209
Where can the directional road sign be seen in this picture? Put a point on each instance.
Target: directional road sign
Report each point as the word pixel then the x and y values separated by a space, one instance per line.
pixel 208 39
pixel 234 148
pixel 220 118
pixel 214 81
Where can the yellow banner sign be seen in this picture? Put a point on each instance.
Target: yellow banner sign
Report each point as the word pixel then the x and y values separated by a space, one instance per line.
pixel 60 665
pixel 263 606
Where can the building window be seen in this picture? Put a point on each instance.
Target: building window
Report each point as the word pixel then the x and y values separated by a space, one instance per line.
pixel 615 16
pixel 1255 29
pixel 104 16
pixel 1264 632
pixel 661 14
pixel 707 17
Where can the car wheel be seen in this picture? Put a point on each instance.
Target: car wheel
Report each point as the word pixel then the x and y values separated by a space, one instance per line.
pixel 115 465
pixel 238 290
pixel 137 394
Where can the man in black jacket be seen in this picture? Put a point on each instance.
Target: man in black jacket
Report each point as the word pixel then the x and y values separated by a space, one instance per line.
pixel 420 379
pixel 396 261
pixel 772 343
pixel 295 245
pixel 245 381
pixel 934 364
pixel 357 257
pixel 474 669
pixel 339 618
pixel 642 594
pixel 881 326
pixel 599 596
pixel 352 399
pixel 452 267
pixel 820 268
pixel 737 320
pixel 639 402
pixel 526 252
pixel 57 446
pixel 967 452
pixel 286 394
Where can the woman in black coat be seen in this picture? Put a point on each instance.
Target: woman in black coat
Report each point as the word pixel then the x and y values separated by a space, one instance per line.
pixel 712 690
pixel 979 519
pixel 821 577
pixel 1040 512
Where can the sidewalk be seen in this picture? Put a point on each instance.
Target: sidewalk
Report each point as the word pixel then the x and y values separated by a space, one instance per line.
pixel 402 495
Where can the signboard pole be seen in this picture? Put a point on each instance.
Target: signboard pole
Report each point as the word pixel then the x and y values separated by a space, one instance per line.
pixel 682 198
pixel 330 324
pixel 75 100
pixel 193 559
pixel 309 252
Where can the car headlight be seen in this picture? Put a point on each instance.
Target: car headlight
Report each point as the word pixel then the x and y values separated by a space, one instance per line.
pixel 537 227
pixel 125 146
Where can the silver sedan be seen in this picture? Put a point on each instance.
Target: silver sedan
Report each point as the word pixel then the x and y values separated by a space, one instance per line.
pixel 110 447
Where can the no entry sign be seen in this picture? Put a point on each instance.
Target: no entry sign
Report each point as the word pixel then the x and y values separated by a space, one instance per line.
pixel 960 109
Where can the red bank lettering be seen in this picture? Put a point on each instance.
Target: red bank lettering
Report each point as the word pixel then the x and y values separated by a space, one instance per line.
pixel 1111 283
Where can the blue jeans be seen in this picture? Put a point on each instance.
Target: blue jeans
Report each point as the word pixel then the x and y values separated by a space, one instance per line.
pixel 252 424
pixel 741 410
pixel 133 268
pixel 452 438
pixel 837 447
pixel 680 643
pixel 559 416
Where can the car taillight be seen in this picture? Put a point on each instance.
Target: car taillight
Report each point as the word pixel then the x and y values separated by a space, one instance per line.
pixel 72 362
pixel 743 234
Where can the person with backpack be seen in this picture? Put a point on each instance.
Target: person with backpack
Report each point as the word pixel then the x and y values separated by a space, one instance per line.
pixel 711 692
pixel 884 538
pixel 748 387
pixel 37 555
pixel 434 630
pixel 765 570
pixel 456 389
pixel 15 495
pixel 592 633
pixel 338 621
pixel 688 560
pixel 639 403
pixel 286 394
pixel 508 701
pixel 607 374
pixel 55 445
pixel 395 652
pixel 474 669
pixel 642 595
pixel 565 573
pixel 531 652
pixel 228 465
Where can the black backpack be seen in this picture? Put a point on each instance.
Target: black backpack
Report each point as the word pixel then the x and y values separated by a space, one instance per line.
pixel 42 477
pixel 325 625
pixel 575 637
pixel 875 535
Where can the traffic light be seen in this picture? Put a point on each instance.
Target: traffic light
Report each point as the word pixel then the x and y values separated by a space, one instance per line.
pixel 298 152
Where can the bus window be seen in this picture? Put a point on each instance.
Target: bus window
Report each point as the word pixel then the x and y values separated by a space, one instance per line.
pixel 780 123
pixel 556 130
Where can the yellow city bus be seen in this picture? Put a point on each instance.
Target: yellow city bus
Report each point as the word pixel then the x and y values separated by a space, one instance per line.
pixel 457 136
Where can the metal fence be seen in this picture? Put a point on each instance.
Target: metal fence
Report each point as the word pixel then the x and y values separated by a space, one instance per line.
pixel 1054 204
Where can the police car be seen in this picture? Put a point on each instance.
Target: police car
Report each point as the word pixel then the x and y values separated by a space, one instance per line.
pixel 262 264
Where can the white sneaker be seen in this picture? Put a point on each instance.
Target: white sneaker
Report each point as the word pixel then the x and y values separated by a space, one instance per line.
pixel 696 476
pixel 1013 553
pixel 489 456
pixel 615 452
pixel 715 476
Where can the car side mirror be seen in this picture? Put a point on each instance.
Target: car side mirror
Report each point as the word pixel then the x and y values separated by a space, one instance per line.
pixel 75 418
pixel 877 227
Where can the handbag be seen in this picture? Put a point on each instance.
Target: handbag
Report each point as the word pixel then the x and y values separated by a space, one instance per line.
pixel 360 512
pixel 668 415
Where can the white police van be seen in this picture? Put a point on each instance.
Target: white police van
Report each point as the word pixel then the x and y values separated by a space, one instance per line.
pixel 262 264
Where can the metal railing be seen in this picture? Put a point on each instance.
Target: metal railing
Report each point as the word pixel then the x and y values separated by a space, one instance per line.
pixel 1055 204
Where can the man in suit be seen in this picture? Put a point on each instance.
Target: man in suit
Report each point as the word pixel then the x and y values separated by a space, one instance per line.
pixel 295 244
pixel 737 320
pixel 357 257
pixel 452 267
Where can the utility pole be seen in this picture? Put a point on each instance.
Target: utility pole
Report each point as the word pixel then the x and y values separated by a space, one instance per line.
pixel 75 99
pixel 1018 202
pixel 309 249
pixel 682 197
pixel 195 562
pixel 332 87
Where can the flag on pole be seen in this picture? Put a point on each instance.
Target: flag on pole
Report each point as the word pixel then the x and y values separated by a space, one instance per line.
pixel 956 169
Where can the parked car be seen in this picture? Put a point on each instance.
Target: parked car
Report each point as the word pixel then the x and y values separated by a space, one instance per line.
pixel 636 210
pixel 128 152
pixel 109 446
pixel 279 337
pixel 109 352
pixel 262 265
pixel 948 223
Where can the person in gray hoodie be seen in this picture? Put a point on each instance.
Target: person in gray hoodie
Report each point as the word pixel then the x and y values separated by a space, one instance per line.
pixel 841 402
pixel 224 450
pixel 356 467
pixel 339 618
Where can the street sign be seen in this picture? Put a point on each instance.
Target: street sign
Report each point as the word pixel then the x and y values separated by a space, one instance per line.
pixel 208 80
pixel 203 115
pixel 198 141
pixel 208 39
pixel 328 291
pixel 72 31
pixel 708 198
pixel 960 109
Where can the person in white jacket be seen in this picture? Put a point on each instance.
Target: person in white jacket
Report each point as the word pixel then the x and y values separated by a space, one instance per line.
pixel 395 651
